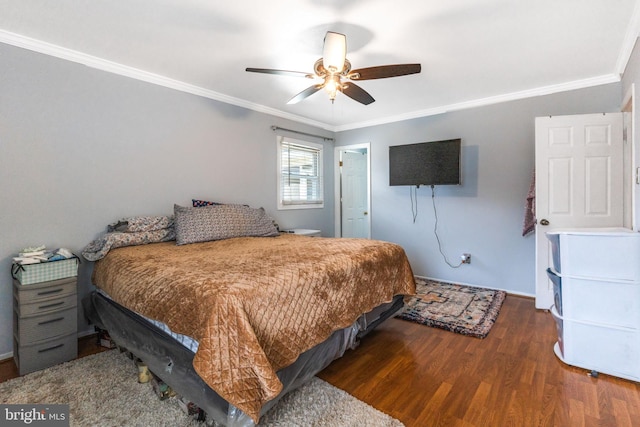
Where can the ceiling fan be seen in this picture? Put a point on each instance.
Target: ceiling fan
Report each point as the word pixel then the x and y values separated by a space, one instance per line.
pixel 334 69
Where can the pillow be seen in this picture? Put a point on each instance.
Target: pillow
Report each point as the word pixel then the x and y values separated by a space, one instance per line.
pixel 200 203
pixel 138 224
pixel 217 222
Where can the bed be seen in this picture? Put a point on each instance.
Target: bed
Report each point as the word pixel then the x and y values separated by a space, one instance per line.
pixel 266 313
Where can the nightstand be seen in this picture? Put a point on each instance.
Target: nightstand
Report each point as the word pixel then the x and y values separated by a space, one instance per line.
pixel 45 323
pixel 304 232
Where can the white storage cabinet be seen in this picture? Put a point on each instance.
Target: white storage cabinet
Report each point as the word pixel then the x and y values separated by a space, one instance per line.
pixel 596 281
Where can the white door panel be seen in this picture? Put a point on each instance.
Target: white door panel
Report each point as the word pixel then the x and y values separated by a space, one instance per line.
pixel 355 213
pixel 579 181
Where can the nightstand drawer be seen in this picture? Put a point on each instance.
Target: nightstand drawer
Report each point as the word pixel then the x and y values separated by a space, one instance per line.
pixel 44 307
pixel 32 329
pixel 38 356
pixel 26 294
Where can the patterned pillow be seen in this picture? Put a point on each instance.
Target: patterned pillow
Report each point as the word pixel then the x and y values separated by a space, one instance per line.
pixel 199 203
pixel 138 224
pixel 217 222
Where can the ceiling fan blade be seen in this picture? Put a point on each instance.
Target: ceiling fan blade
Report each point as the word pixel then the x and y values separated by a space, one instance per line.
pixel 280 72
pixel 334 51
pixel 355 92
pixel 384 71
pixel 304 94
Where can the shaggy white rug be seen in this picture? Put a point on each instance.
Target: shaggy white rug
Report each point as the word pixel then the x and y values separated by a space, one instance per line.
pixel 103 390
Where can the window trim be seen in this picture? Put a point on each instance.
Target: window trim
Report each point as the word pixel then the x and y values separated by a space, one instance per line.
pixel 312 145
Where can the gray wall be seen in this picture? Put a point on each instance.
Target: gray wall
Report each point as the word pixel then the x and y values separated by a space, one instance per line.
pixel 81 148
pixel 632 71
pixel 483 216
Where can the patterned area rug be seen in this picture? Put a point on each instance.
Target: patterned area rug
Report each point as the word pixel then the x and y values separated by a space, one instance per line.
pixel 463 309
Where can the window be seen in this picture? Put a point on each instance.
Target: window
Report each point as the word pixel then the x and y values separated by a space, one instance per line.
pixel 299 174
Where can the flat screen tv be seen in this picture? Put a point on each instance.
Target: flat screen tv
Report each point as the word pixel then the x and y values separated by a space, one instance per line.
pixel 425 163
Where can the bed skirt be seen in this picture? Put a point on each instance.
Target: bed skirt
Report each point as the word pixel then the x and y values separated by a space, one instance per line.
pixel 173 363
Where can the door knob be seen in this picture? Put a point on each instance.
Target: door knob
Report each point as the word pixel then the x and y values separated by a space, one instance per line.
pixel 366 213
pixel 544 222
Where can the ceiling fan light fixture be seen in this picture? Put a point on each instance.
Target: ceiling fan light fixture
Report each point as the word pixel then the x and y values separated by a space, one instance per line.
pixel 334 72
pixel 334 52
pixel 332 85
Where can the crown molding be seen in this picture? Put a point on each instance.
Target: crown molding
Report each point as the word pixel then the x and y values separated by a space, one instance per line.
pixel 156 79
pixel 633 30
pixel 91 61
pixel 513 96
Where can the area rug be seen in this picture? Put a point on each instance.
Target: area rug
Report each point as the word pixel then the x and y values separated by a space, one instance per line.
pixel 103 390
pixel 463 309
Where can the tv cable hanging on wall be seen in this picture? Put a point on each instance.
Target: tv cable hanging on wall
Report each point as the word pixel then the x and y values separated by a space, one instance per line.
pixel 435 229
pixel 413 193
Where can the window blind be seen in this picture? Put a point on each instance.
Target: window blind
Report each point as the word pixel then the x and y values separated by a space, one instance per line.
pixel 300 174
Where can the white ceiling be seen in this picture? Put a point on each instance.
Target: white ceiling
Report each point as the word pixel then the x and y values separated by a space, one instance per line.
pixel 473 52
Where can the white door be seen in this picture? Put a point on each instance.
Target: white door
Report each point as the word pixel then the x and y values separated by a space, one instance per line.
pixel 579 181
pixel 354 189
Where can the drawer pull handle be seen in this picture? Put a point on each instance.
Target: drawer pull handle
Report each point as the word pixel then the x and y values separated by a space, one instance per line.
pixel 50 348
pixel 54 291
pixel 51 305
pixel 51 321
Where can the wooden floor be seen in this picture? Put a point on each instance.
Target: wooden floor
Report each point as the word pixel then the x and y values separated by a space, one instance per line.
pixel 430 377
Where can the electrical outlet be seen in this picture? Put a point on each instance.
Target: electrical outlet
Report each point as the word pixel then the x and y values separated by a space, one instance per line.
pixel 466 258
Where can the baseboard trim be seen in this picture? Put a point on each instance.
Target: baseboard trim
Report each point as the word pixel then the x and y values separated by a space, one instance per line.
pixel 519 294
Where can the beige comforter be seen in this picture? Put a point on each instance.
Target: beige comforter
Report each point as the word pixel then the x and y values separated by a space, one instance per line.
pixel 254 303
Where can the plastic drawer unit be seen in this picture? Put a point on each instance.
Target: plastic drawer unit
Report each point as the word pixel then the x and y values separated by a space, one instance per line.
pixel 613 302
pixel 596 286
pixel 607 253
pixel 45 323
pixel 597 347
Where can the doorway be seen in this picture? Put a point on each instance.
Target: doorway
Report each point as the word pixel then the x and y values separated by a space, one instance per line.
pixel 353 191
